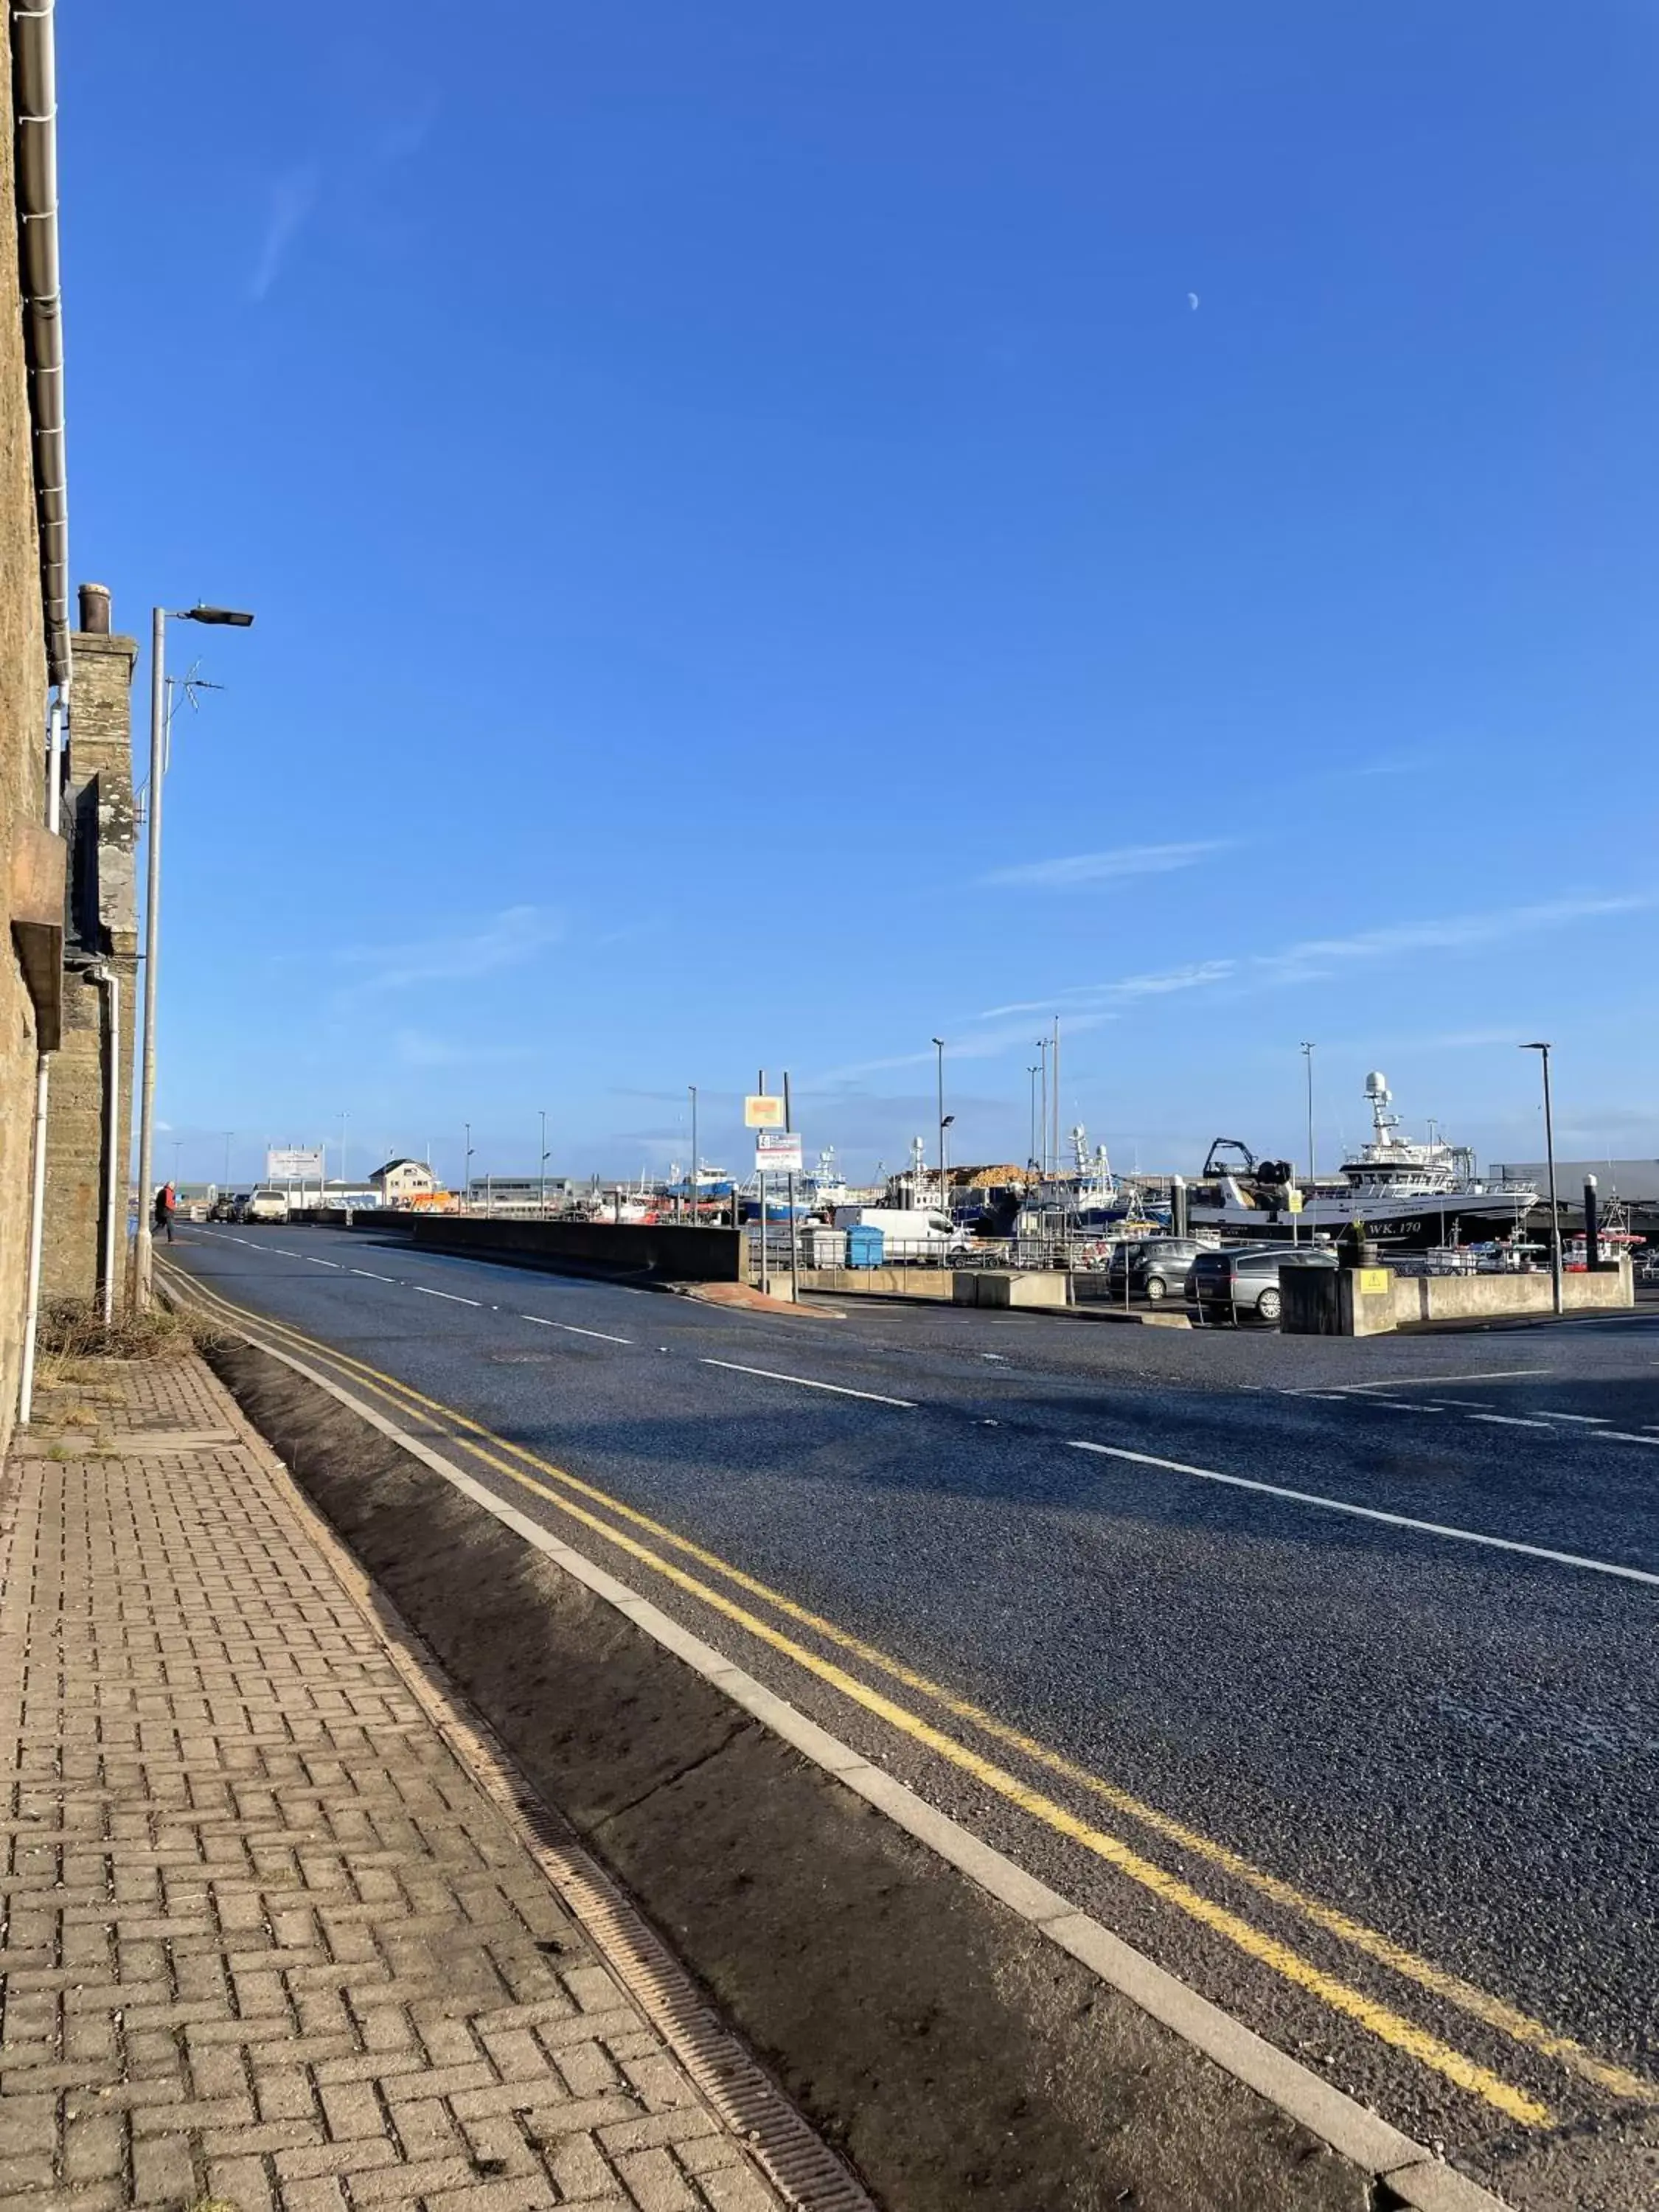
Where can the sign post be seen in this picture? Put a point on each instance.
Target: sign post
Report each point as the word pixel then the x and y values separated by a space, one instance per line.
pixel 1293 1201
pixel 761 1111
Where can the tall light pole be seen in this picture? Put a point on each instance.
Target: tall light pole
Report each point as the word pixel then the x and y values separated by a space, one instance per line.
pixel 939 1046
pixel 1543 1052
pixel 229 1133
pixel 1307 1055
pixel 1042 1123
pixel 1032 1157
pixel 143 1249
pixel 692 1088
pixel 344 1178
pixel 466 1170
pixel 543 1159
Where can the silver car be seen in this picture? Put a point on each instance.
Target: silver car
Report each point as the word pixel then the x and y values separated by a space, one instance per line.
pixel 1243 1279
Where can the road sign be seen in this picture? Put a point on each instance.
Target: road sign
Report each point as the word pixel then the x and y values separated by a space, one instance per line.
pixel 762 1113
pixel 777 1151
pixel 294 1164
pixel 1294 1201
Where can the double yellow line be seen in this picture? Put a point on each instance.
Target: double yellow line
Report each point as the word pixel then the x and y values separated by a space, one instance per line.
pixel 1341 1996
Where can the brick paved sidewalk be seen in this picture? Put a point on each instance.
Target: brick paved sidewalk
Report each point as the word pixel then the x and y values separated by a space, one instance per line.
pixel 268 1945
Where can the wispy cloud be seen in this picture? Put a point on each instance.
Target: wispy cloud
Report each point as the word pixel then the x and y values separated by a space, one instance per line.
pixel 505 941
pixel 1082 1007
pixel 1072 871
pixel 1322 956
pixel 292 196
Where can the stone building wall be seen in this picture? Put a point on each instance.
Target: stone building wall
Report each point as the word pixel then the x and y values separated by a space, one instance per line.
pixel 22 755
pixel 98 821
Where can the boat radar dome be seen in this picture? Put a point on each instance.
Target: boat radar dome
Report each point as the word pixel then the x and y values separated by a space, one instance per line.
pixel 1377 1085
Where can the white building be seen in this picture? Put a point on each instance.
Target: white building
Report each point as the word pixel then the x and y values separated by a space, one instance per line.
pixel 399 1180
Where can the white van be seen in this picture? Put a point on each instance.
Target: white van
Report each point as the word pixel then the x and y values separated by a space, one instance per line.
pixel 266 1205
pixel 907 1233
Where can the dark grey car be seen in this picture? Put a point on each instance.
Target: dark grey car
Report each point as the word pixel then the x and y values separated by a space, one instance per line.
pixel 1243 1279
pixel 1155 1269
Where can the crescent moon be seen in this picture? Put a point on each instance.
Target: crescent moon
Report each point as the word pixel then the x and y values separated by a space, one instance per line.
pixel 1192 302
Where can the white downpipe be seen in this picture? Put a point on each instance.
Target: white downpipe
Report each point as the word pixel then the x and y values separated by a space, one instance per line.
pixel 42 1101
pixel 110 983
pixel 37 1238
pixel 34 102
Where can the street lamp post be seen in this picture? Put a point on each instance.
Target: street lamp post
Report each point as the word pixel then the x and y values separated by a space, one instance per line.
pixel 939 1046
pixel 692 1088
pixel 1032 1157
pixel 466 1170
pixel 229 1133
pixel 344 1178
pixel 1042 1124
pixel 143 1249
pixel 1556 1299
pixel 1307 1055
pixel 543 1159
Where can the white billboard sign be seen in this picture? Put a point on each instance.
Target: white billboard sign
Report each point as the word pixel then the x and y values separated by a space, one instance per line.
pixel 777 1151
pixel 294 1164
pixel 761 1111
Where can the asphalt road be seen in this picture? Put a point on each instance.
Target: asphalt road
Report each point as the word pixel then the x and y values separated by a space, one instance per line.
pixel 1372 1764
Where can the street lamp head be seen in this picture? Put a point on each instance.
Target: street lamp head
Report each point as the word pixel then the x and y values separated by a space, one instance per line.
pixel 939 1042
pixel 948 1122
pixel 226 617
pixel 1533 1048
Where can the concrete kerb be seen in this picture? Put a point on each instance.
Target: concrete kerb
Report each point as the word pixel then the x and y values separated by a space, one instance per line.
pixel 1412 2173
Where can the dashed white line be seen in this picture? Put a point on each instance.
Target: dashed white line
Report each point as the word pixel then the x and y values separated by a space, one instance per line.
pixel 1402 1405
pixel 570 1329
pixel 373 1277
pixel 450 1295
pixel 1623 1437
pixel 313 1261
pixel 1593 1420
pixel 1508 1421
pixel 1371 1512
pixel 806 1382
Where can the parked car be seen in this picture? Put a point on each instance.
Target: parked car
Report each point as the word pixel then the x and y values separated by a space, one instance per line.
pixel 1155 1269
pixel 265 1205
pixel 1242 1280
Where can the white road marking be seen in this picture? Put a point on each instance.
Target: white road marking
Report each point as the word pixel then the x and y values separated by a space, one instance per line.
pixel 450 1295
pixel 570 1329
pixel 1458 1405
pixel 373 1277
pixel 1623 1437
pixel 1595 1420
pixel 770 1375
pixel 1371 1512
pixel 319 1263
pixel 1508 1421
pixel 1331 1397
pixel 1410 1382
pixel 1402 1405
pixel 1000 1356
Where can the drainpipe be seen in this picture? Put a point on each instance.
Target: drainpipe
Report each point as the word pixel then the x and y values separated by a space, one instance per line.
pixel 34 102
pixel 110 984
pixel 42 1099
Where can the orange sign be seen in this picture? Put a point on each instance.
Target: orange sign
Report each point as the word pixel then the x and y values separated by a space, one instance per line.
pixel 761 1113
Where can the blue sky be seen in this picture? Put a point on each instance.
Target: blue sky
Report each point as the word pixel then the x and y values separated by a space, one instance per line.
pixel 781 534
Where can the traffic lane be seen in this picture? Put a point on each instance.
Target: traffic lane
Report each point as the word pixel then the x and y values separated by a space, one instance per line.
pixel 1563 1486
pixel 1255 1357
pixel 1249 1359
pixel 1288 1691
